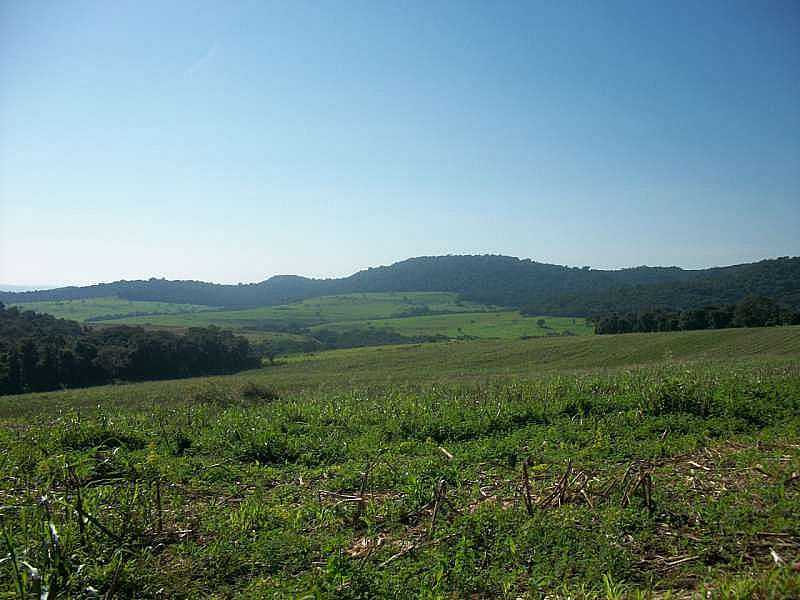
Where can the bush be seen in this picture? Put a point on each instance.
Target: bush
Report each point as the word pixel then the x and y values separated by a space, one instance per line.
pixel 255 391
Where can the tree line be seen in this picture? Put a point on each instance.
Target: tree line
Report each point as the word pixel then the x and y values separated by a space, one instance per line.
pixel 330 339
pixel 39 352
pixel 536 288
pixel 753 311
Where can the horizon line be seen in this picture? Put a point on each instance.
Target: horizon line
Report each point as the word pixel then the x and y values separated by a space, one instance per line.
pixel 47 287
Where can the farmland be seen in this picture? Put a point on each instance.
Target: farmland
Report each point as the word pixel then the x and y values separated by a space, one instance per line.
pixel 316 310
pixel 380 300
pixel 407 313
pixel 111 308
pixel 487 324
pixel 582 467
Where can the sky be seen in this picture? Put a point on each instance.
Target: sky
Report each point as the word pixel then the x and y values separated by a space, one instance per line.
pixel 231 141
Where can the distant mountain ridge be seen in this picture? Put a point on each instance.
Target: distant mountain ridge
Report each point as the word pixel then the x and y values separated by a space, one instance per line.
pixel 492 279
pixel 8 287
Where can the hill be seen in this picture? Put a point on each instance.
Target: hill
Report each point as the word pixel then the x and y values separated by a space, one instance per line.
pixel 324 322
pixel 640 466
pixel 472 362
pixel 491 279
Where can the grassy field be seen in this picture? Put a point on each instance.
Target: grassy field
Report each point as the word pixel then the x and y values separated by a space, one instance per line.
pixel 485 325
pixel 634 466
pixel 97 308
pixel 323 309
pixel 397 311
pixel 456 363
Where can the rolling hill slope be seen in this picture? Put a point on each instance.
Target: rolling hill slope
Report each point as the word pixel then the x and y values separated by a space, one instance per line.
pixel 500 280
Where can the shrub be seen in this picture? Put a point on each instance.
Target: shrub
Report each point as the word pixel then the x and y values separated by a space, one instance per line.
pixel 255 391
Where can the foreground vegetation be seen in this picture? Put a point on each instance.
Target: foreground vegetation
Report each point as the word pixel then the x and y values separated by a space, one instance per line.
pixel 469 469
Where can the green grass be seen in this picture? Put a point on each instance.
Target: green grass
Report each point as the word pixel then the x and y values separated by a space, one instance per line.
pixel 399 472
pixel 449 363
pixel 93 308
pixel 485 325
pixel 323 309
pixel 455 318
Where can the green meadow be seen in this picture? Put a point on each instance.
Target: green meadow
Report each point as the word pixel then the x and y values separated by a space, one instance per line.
pixel 408 313
pixel 456 362
pixel 495 324
pixel 632 466
pixel 108 308
pixel 322 309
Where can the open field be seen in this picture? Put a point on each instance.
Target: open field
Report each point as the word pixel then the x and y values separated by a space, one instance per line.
pixel 403 312
pixel 323 309
pixel 451 363
pixel 655 463
pixel 486 325
pixel 107 308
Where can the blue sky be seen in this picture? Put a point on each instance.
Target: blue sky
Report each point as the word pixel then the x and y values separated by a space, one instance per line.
pixel 230 141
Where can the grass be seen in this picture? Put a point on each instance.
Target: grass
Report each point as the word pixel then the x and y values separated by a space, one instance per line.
pixel 323 309
pixel 447 363
pixel 453 318
pixel 486 325
pixel 639 466
pixel 111 307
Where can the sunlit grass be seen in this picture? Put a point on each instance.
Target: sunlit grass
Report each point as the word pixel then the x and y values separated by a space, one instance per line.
pixel 633 468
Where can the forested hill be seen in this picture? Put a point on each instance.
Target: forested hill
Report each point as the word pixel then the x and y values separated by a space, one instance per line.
pixel 275 290
pixel 501 280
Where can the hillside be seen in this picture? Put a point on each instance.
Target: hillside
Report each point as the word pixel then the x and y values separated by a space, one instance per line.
pixel 324 322
pixel 453 363
pixel 639 466
pixel 499 280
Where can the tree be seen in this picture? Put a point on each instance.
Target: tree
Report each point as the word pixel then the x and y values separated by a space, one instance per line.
pixel 693 319
pixel 756 311
pixel 40 352
pixel 271 355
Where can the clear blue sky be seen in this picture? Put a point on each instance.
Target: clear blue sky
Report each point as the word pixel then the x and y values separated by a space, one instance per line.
pixel 230 141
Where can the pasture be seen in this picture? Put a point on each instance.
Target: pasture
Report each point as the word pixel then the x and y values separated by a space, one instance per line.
pixel 457 363
pixel 316 310
pixel 634 466
pixel 506 324
pixel 324 309
pixel 111 308
pixel 408 313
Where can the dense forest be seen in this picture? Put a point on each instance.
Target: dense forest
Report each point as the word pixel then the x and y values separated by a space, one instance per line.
pixel 778 279
pixel 40 352
pixel 753 311
pixel 537 288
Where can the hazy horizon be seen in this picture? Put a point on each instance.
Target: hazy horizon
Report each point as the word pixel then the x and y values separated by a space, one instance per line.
pixel 11 287
pixel 229 142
